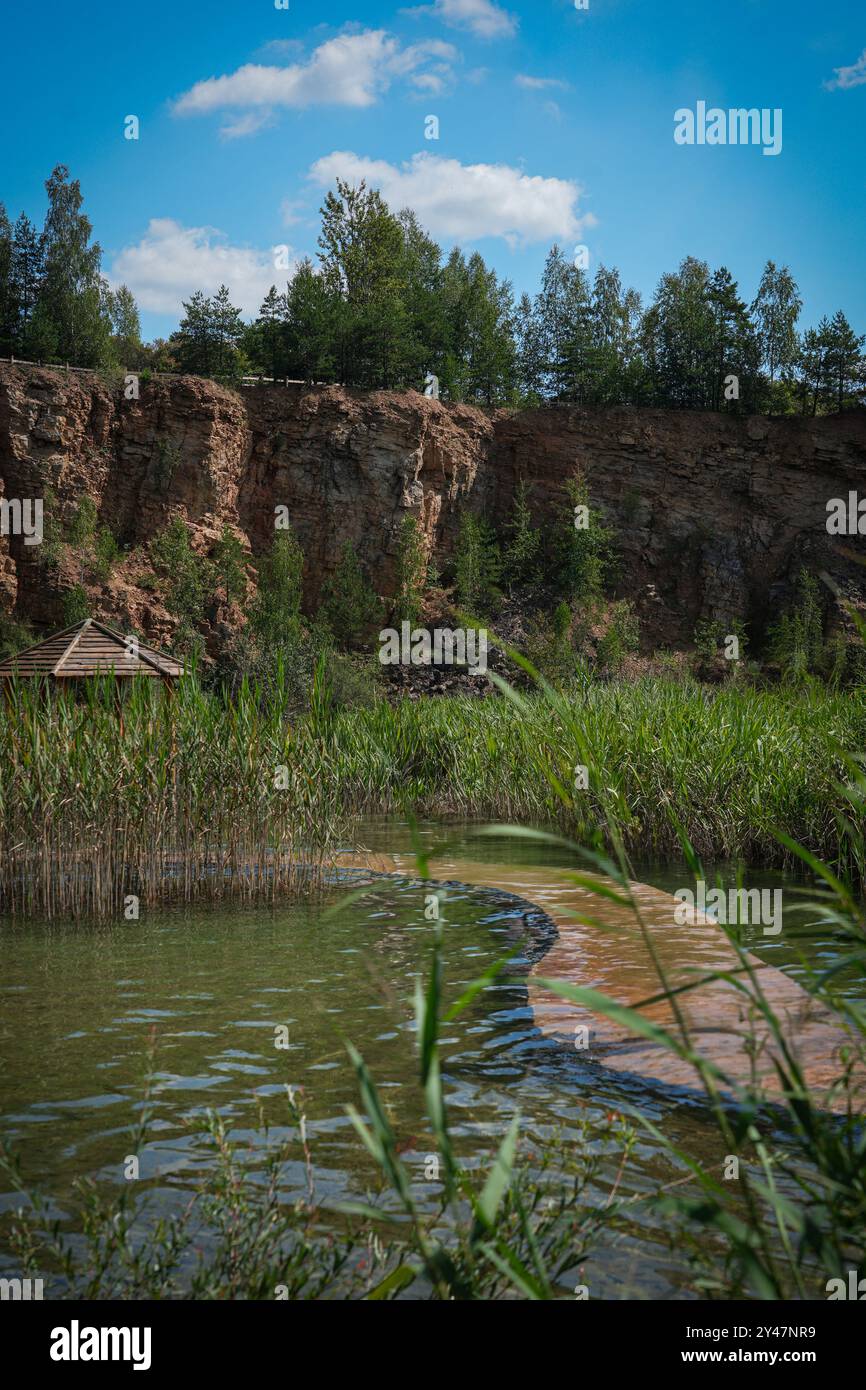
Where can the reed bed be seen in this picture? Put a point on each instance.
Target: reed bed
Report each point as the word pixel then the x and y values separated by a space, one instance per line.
pixel 195 797
pixel 732 765
pixel 179 797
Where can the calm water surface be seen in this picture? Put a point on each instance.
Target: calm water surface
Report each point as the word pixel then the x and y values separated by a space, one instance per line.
pixel 77 1005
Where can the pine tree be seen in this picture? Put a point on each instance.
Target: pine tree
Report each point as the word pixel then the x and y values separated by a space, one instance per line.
pixel 733 348
pixel 411 570
pixel 7 311
pixel 272 334
pixel 520 561
pixel 454 375
pixel 349 605
pixel 426 325
pixel 813 364
pixel 362 256
pixel 844 360
pixel 477 564
pixel 227 329
pixel 26 277
pixel 229 560
pixel 679 335
pixel 530 352
pixel 491 369
pixel 581 553
pixel 311 326
pixel 194 344
pixel 564 315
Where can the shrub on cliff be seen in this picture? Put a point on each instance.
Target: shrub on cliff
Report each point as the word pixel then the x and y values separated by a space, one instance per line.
pixel 477 565
pixel 349 605
pixel 411 571
pixel 189 580
pixel 520 561
pixel 582 545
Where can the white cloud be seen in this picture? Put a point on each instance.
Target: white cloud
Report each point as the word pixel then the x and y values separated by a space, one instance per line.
pixel 247 124
pixel 466 201
pixel 538 84
pixel 481 17
pixel 350 70
pixel 171 262
pixel 845 78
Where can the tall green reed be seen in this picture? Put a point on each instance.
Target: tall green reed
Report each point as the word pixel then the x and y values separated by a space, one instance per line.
pixel 796 1216
pixel 163 796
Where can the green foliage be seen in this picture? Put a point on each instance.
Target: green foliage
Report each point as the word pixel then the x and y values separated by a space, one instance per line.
pixel 274 650
pixel 796 641
pixel 551 650
pixel 830 365
pixel 83 525
pixel 188 581
pixel 14 635
pixel 229 560
pixel 520 559
pixel 184 773
pixel 477 565
pixel 711 643
pixel 126 328
pixel 94 544
pixel 383 308
pixel 582 553
pixel 621 636
pixel 105 552
pixel 411 571
pixel 209 337
pixel 276 609
pixel 49 553
pixel 707 640
pixel 349 605
pixel 562 622
pixel 775 311
pixel 76 605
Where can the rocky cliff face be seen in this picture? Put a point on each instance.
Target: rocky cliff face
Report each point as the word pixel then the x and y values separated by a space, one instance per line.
pixel 714 515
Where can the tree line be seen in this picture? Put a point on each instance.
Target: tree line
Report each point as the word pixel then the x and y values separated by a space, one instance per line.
pixel 384 307
pixel 55 303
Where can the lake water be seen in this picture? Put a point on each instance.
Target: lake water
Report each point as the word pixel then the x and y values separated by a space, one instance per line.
pixel 78 1004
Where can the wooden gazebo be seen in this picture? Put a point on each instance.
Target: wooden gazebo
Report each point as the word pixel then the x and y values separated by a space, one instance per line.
pixel 89 648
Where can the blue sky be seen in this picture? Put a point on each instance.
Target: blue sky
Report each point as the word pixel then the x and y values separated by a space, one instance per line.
pixel 554 125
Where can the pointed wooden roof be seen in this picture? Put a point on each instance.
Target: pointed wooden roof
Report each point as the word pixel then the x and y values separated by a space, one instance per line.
pixel 89 648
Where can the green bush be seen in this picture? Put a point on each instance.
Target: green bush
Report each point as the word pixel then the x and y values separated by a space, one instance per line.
pixel 105 552
pixel 190 580
pixel 582 554
pixel 14 635
pixel 76 605
pixel 621 637
pixel 796 641
pixel 276 610
pixel 411 571
pixel 477 565
pixel 229 560
pixel 520 560
pixel 82 527
pixel 49 552
pixel 349 605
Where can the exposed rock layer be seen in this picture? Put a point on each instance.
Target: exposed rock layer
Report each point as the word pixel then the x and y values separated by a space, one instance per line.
pixel 714 514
